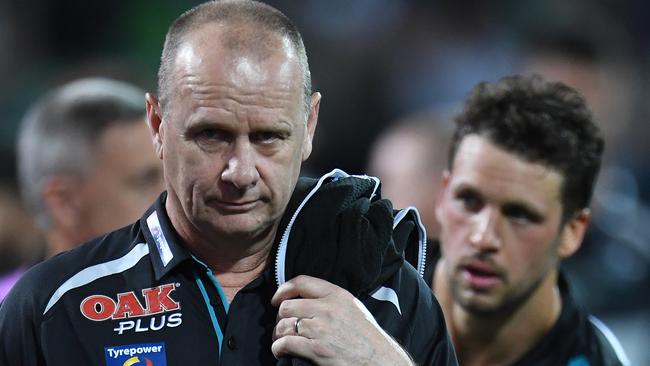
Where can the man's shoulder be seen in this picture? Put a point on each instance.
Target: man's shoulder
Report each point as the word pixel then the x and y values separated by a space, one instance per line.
pixel 594 341
pixel 406 308
pixel 577 338
pixel 41 282
pixel 602 345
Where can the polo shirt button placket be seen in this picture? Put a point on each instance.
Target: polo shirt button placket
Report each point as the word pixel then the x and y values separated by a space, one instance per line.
pixel 232 343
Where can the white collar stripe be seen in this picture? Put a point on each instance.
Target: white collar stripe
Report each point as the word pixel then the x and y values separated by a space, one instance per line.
pixel 159 237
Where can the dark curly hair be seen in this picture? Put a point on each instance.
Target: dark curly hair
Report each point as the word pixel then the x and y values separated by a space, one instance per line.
pixel 542 122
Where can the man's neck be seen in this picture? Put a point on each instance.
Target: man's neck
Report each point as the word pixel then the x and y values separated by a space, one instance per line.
pixel 233 269
pixel 487 340
pixel 234 278
pixel 60 240
pixel 234 260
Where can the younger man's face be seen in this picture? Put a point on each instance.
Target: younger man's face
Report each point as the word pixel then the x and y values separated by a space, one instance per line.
pixel 500 226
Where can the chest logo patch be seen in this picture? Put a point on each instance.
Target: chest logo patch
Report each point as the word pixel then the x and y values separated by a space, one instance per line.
pixel 157 300
pixel 147 354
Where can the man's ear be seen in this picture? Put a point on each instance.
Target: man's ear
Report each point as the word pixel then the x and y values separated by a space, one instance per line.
pixel 573 232
pixel 312 121
pixel 62 201
pixel 444 186
pixel 155 121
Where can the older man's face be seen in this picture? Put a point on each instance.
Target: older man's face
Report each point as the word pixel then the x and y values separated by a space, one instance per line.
pixel 234 135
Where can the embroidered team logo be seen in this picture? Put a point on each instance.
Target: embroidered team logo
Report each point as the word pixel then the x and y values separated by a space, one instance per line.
pixel 157 300
pixel 149 354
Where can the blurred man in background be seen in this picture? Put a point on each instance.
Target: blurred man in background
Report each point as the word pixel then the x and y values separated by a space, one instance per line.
pixel 522 168
pixel 21 244
pixel 409 158
pixel 85 161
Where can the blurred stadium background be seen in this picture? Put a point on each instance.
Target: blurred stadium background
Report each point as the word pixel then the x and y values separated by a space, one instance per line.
pixel 376 61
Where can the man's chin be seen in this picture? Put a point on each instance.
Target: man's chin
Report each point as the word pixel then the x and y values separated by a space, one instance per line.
pixel 238 226
pixel 478 304
pixel 480 309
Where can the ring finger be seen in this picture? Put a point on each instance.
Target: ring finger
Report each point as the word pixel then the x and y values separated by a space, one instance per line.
pixel 287 327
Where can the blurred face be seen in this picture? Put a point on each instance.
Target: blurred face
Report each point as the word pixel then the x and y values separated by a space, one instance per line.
pixel 500 227
pixel 126 179
pixel 408 178
pixel 233 137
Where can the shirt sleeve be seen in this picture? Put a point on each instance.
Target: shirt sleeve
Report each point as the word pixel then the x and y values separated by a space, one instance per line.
pixel 406 308
pixel 430 343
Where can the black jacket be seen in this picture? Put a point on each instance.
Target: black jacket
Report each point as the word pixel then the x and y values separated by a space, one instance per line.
pixel 138 295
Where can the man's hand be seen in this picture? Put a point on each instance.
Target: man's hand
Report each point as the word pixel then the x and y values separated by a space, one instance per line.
pixel 334 328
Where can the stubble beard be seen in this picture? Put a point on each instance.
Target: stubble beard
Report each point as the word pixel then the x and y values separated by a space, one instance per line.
pixel 504 306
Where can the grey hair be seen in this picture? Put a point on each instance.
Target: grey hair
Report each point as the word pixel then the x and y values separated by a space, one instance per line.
pixel 58 134
pixel 230 12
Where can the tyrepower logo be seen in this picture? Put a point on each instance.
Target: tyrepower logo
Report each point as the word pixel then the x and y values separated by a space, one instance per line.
pixel 148 354
pixel 157 300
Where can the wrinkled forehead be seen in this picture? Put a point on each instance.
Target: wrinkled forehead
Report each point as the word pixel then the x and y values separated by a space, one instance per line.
pixel 240 54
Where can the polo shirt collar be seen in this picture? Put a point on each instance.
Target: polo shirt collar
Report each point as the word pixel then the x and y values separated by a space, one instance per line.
pixel 165 246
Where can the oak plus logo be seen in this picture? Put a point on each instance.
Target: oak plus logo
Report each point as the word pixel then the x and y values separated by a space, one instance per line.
pixel 157 302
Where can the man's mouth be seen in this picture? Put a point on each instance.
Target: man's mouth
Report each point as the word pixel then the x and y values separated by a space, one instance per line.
pixel 233 206
pixel 480 276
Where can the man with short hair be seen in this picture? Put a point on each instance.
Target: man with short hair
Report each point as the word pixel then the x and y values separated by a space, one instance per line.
pixel 84 163
pixel 222 268
pixel 522 167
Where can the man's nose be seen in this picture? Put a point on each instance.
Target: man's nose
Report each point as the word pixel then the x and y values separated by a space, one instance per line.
pixel 241 170
pixel 484 232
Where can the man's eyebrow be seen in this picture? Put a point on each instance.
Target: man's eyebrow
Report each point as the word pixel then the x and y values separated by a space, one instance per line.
pixel 523 207
pixel 277 125
pixel 284 122
pixel 199 124
pixel 467 188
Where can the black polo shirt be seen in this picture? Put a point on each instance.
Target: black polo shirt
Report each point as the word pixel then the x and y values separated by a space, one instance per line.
pixel 137 297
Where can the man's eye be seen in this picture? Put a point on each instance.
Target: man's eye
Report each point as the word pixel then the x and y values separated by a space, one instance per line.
pixel 266 137
pixel 520 215
pixel 471 201
pixel 211 138
pixel 211 134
